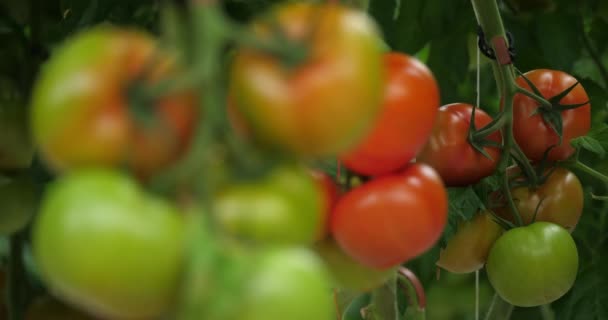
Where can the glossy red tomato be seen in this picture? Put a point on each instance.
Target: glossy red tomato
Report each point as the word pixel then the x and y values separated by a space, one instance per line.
pixel 409 111
pixel 449 151
pixel 330 193
pixel 88 108
pixel 533 134
pixel 323 103
pixel 393 218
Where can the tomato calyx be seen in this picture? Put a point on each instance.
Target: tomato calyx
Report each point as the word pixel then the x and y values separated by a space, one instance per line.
pixel 478 139
pixel 550 108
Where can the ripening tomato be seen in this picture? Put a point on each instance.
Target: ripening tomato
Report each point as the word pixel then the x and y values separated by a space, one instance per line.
pixel 346 272
pixel 533 265
pixel 468 249
pixel 330 193
pixel 449 152
pixel 409 111
pixel 283 207
pixel 104 246
pixel 533 134
pixel 325 102
pixel 393 218
pixel 559 200
pixel 88 108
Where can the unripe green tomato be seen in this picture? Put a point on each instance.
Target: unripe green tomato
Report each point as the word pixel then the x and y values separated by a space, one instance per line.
pixel 17 203
pixel 288 284
pixel 104 246
pixel 533 265
pixel 468 249
pixel 347 272
pixel 286 206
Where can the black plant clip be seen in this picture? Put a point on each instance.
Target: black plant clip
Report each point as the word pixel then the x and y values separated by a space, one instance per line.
pixel 488 51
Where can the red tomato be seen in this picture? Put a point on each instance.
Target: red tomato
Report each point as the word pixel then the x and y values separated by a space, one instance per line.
pixel 330 193
pixel 409 110
pixel 532 133
pixel 85 112
pixel 323 104
pixel 449 151
pixel 392 218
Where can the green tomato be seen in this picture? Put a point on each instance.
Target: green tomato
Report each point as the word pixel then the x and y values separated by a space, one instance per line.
pixel 533 265
pixel 17 203
pixel 347 272
pixel 285 206
pixel 288 284
pixel 104 246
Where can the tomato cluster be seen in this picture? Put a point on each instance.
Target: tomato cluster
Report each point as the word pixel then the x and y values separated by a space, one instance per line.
pixel 111 115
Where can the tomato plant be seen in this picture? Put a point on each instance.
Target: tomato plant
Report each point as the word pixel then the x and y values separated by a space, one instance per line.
pixel 103 245
pixel 393 218
pixel 533 265
pixel 288 284
pixel 285 206
pixel 324 103
pixel 449 151
pixel 90 106
pixel 468 249
pixel 559 200
pixel 411 92
pixel 532 120
pixel 18 202
pixel 347 272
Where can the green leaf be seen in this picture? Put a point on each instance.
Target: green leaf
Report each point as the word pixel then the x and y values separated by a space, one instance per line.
pixel 555 32
pixel 463 204
pixel 588 143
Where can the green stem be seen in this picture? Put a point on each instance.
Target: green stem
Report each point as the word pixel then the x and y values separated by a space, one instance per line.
pixel 17 280
pixel 490 128
pixel 577 165
pixel 525 165
pixel 499 309
pixel 546 312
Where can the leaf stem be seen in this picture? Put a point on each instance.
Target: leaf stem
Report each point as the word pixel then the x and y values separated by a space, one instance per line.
pixel 499 309
pixel 577 165
pixel 17 282
pixel 415 292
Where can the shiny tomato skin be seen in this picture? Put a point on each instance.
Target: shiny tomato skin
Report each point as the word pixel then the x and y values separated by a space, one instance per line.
pixel 324 104
pixel 449 152
pixel 409 111
pixel 532 133
pixel 559 200
pixel 82 114
pixel 103 245
pixel 392 218
pixel 533 265
pixel 468 249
